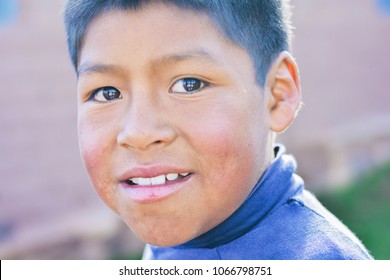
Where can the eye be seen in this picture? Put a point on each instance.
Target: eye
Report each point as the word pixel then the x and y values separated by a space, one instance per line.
pixel 105 94
pixel 188 85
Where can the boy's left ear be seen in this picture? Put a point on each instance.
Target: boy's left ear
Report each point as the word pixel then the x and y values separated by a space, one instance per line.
pixel 285 92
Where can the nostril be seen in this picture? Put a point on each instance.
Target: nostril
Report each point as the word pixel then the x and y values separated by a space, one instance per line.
pixel 155 143
pixel 143 138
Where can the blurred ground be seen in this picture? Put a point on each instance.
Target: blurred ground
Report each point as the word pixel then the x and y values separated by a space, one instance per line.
pixel 48 209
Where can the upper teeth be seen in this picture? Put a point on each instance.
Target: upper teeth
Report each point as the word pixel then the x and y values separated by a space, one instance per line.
pixel 158 180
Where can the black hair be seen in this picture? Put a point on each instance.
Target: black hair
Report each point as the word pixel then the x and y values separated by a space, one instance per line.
pixel 262 27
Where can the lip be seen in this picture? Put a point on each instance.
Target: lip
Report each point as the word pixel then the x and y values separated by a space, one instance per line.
pixel 150 171
pixel 152 193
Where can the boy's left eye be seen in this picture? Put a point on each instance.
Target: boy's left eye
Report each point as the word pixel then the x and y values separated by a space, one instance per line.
pixel 188 85
pixel 105 94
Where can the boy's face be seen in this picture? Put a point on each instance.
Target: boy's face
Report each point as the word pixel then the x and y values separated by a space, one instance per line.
pixel 162 93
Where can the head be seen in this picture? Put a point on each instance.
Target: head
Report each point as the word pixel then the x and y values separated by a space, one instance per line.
pixel 178 105
pixel 261 27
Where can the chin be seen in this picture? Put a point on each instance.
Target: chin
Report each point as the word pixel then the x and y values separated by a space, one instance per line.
pixel 162 241
pixel 163 237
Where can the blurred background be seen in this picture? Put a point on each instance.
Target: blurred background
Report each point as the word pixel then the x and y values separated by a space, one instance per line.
pixel 341 138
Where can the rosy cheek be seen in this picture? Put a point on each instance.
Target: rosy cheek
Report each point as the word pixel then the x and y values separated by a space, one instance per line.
pixel 91 157
pixel 94 153
pixel 95 162
pixel 229 151
pixel 220 144
pixel 223 136
pixel 90 142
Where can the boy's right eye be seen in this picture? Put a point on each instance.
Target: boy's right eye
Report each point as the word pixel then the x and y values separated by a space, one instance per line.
pixel 105 94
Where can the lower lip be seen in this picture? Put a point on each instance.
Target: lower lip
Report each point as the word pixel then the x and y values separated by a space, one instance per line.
pixel 143 194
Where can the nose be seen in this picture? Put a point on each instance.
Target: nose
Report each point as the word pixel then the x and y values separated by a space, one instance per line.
pixel 145 127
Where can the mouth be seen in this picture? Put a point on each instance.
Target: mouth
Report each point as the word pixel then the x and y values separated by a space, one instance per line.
pixel 158 180
pixel 152 189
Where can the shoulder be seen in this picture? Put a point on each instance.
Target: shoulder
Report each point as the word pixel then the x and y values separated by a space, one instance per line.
pixel 301 228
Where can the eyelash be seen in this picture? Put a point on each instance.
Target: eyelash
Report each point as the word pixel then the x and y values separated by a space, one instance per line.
pixel 188 84
pixel 111 93
pixel 107 92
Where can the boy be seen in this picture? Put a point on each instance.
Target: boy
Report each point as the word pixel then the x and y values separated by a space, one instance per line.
pixel 179 102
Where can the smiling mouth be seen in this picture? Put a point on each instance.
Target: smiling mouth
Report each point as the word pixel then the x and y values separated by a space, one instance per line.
pixel 158 180
pixel 152 189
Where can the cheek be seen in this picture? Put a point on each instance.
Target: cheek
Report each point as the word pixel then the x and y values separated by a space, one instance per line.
pixel 230 168
pixel 95 152
pixel 232 147
pixel 90 152
pixel 231 160
pixel 92 156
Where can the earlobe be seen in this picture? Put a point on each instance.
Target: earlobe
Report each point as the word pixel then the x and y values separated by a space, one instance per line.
pixel 285 96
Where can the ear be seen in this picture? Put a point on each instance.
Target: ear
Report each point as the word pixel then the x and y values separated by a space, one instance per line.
pixel 285 92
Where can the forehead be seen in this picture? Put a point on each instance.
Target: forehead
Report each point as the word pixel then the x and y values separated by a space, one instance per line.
pixel 156 27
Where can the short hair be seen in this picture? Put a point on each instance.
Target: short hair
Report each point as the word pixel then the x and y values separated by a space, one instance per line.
pixel 261 27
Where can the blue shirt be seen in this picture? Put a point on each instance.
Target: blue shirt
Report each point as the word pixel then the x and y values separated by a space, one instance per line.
pixel 279 220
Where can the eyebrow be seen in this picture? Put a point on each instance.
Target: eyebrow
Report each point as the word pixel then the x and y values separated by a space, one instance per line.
pixel 192 54
pixel 87 68
pixel 199 55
